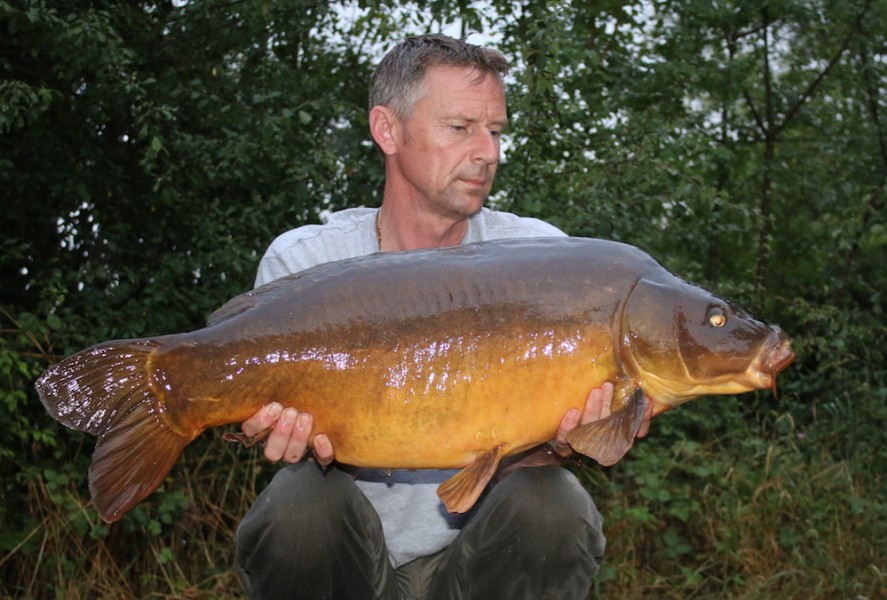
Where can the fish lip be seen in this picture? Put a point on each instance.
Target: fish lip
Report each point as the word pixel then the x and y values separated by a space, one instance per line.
pixel 777 357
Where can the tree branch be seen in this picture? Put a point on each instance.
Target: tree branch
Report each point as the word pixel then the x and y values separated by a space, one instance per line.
pixel 857 25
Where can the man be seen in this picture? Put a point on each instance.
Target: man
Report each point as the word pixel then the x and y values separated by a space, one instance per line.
pixel 437 111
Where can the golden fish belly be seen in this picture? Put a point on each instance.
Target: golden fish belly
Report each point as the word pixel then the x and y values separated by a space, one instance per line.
pixel 433 399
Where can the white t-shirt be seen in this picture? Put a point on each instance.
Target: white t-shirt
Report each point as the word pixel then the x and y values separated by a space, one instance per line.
pixel 414 520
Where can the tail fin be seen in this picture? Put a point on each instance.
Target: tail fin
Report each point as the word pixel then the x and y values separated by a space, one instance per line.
pixel 105 391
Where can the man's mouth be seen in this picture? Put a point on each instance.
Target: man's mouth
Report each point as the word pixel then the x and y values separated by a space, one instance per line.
pixel 474 181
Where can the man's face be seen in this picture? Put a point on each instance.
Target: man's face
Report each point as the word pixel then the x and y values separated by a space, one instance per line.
pixel 449 146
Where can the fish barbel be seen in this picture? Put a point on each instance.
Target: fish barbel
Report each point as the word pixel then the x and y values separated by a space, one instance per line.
pixel 427 359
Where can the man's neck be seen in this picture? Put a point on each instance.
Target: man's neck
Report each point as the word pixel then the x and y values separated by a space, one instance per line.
pixel 406 227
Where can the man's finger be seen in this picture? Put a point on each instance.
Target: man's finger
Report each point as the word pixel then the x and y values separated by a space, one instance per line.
pixel 568 423
pixel 266 417
pixel 323 450
pixel 278 440
pixel 598 404
pixel 594 404
pixel 297 444
pixel 606 409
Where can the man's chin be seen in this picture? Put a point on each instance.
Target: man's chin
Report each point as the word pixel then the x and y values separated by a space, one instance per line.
pixel 463 207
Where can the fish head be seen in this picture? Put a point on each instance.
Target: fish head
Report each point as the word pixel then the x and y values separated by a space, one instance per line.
pixel 680 341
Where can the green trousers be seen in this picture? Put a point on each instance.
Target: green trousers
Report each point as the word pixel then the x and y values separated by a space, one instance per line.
pixel 312 534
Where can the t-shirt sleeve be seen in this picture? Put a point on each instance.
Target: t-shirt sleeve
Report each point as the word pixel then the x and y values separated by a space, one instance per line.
pixel 287 254
pixel 350 233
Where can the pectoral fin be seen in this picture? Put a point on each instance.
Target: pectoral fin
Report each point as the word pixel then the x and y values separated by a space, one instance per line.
pixel 461 491
pixel 607 440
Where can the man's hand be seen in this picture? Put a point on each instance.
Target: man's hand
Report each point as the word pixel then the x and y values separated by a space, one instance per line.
pixel 597 407
pixel 288 440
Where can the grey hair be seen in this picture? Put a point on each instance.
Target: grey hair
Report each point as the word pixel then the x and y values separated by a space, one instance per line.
pixel 397 82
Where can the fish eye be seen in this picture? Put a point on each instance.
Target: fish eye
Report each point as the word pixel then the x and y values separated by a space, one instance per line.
pixel 717 317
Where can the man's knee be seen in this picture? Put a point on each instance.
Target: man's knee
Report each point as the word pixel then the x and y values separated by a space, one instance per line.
pixel 537 534
pixel 294 534
pixel 306 510
pixel 297 495
pixel 551 506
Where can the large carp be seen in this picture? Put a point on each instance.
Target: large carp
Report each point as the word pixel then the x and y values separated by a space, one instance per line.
pixel 446 358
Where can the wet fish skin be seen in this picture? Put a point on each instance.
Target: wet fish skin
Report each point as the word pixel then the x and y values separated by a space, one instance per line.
pixel 464 355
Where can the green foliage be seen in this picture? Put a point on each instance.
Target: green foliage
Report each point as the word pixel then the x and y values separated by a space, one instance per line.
pixel 739 517
pixel 150 151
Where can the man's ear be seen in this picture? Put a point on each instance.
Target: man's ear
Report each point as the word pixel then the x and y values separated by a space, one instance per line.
pixel 383 127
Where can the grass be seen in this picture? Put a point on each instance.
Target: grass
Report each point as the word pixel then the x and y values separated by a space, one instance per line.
pixel 764 523
pixel 742 518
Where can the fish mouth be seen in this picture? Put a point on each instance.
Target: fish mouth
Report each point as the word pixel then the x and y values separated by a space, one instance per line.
pixel 774 359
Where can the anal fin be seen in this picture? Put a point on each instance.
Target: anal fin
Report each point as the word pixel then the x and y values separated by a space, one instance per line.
pixel 461 491
pixel 607 440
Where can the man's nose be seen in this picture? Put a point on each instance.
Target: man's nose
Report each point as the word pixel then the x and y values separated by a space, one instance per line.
pixel 486 147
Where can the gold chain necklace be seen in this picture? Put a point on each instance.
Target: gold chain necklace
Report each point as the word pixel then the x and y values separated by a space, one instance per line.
pixel 379 228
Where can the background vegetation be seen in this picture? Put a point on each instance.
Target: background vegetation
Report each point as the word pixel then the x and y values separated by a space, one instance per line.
pixel 150 151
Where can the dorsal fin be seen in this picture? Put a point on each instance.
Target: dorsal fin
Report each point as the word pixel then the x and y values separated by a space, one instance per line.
pixel 249 300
